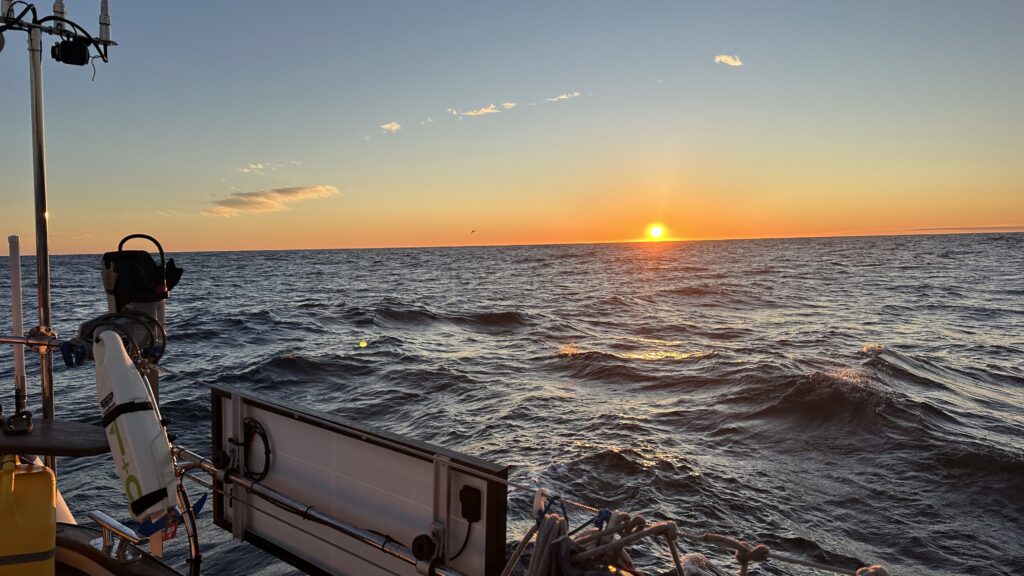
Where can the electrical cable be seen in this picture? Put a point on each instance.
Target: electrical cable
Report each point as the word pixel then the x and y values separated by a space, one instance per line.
pixel 469 527
pixel 252 427
pixel 84 32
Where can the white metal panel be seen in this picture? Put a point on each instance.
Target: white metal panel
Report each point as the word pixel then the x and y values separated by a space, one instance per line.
pixel 364 480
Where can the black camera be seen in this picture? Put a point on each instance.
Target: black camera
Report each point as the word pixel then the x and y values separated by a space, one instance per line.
pixel 75 52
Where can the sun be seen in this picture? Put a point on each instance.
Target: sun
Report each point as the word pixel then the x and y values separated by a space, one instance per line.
pixel 655 231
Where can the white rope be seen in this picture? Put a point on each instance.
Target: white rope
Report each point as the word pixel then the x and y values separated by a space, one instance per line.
pixel 552 528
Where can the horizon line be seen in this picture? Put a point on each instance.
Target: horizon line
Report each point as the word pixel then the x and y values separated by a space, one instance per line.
pixel 940 231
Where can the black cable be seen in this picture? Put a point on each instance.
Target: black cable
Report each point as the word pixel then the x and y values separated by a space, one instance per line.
pixel 85 33
pixel 252 427
pixel 464 542
pixel 28 8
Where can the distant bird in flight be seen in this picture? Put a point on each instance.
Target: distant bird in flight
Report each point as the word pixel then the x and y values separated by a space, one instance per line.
pixel 473 232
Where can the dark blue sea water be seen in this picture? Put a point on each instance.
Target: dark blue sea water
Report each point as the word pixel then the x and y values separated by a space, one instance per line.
pixel 842 399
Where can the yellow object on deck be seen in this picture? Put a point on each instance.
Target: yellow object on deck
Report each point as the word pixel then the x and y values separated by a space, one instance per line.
pixel 28 526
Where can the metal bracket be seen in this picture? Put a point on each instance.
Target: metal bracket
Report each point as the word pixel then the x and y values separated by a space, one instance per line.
pixel 41 333
pixel 442 506
pixel 122 552
pixel 239 500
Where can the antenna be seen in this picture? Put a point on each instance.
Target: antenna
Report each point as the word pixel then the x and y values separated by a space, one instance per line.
pixel 60 12
pixel 104 21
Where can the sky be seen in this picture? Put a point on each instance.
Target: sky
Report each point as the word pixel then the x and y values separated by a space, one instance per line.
pixel 287 125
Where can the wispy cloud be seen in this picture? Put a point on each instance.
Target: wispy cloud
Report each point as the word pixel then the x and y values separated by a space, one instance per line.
pixel 730 60
pixel 266 200
pixel 491 109
pixel 391 127
pixel 258 168
pixel 564 96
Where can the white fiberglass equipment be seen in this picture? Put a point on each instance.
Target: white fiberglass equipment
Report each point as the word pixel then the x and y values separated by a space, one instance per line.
pixel 137 438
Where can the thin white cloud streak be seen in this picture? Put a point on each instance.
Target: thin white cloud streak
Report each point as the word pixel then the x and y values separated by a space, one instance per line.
pixel 264 201
pixel 258 168
pixel 492 109
pixel 391 127
pixel 564 96
pixel 729 60
pixel 489 109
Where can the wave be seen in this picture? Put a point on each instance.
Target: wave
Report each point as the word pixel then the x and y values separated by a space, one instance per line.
pixel 480 321
pixel 812 551
pixel 840 398
pixel 601 366
pixel 247 326
pixel 405 316
pixel 611 475
pixel 665 351
pixel 695 290
pixel 493 320
pixel 296 368
pixel 979 460
pixel 891 365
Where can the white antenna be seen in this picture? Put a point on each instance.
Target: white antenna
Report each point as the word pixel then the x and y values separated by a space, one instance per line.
pixel 60 12
pixel 104 21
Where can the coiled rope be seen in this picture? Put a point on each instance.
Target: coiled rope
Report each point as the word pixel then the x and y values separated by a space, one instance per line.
pixel 608 544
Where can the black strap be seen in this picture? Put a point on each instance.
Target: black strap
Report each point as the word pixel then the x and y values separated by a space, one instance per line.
pixel 126 408
pixel 8 559
pixel 139 505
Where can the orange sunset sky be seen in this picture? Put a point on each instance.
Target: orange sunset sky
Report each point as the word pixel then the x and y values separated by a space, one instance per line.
pixel 436 125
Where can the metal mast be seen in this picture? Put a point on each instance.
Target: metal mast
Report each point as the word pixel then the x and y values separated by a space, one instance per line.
pixel 73 48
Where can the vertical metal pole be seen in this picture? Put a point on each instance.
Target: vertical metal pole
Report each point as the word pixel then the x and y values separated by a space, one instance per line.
pixel 104 20
pixel 18 324
pixel 35 52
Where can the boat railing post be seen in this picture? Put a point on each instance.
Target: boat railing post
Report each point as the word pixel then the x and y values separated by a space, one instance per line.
pixel 35 51
pixel 18 323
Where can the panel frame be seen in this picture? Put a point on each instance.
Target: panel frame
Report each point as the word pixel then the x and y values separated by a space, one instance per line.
pixel 463 469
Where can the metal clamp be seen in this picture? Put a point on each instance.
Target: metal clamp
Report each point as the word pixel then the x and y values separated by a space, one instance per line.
pixel 41 338
pixel 110 527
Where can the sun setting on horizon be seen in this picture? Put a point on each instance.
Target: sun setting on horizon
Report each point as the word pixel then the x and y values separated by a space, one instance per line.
pixel 655 232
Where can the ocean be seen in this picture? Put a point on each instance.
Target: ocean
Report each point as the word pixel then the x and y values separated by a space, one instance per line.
pixel 844 400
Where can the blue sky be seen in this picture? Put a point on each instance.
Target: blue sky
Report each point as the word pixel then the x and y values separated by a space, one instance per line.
pixel 852 117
